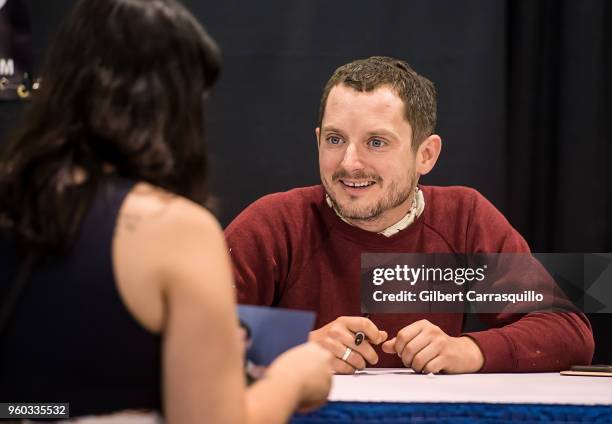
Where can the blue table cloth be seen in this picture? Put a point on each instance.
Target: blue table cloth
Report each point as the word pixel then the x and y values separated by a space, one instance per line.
pixel 424 413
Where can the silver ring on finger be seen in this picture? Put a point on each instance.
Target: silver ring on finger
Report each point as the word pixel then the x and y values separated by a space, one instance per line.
pixel 347 353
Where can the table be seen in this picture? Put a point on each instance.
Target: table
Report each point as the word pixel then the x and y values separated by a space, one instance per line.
pixel 400 396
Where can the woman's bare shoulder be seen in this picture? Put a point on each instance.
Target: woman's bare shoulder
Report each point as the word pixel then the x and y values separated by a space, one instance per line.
pixel 166 236
pixel 149 208
pixel 164 242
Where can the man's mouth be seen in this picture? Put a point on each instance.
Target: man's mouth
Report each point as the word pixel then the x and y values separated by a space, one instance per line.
pixel 357 184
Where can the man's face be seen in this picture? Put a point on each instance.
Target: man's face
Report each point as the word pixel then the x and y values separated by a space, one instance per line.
pixel 366 161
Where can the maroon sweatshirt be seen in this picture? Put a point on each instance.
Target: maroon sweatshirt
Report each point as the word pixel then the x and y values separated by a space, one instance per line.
pixel 291 250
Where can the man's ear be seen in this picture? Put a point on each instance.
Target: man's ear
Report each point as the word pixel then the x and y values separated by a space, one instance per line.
pixel 318 135
pixel 428 153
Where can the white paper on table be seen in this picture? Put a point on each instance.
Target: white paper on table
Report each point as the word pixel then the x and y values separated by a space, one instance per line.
pixel 403 385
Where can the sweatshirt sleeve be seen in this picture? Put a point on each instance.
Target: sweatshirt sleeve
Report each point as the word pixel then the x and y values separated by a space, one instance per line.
pixel 259 254
pixel 524 342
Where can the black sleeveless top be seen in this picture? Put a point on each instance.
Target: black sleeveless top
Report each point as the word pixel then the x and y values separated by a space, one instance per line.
pixel 71 338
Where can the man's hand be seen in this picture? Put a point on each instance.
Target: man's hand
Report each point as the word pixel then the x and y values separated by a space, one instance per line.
pixel 339 335
pixel 424 347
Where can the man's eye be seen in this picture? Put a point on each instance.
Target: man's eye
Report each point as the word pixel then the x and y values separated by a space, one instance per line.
pixel 376 142
pixel 332 139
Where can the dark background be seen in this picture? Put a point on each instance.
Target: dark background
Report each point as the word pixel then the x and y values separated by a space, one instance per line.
pixel 524 87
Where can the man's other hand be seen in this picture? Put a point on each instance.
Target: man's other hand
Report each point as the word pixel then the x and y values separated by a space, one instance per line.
pixel 424 347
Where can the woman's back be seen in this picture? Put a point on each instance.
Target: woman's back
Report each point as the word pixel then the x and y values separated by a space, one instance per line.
pixel 71 336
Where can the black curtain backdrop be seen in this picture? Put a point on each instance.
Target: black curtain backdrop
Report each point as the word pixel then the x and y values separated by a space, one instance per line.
pixel 524 87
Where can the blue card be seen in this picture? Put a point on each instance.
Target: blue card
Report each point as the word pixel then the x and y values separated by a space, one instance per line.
pixel 271 331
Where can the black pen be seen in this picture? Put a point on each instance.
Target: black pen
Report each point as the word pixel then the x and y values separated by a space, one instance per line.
pixel 359 338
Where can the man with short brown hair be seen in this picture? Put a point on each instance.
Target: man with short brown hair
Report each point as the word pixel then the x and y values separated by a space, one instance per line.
pixel 301 249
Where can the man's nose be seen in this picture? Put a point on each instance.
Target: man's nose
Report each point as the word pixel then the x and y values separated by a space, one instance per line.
pixel 352 158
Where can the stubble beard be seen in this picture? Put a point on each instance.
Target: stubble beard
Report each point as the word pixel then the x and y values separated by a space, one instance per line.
pixel 393 197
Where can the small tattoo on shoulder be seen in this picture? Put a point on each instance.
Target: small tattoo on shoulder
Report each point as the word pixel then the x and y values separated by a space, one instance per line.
pixel 130 221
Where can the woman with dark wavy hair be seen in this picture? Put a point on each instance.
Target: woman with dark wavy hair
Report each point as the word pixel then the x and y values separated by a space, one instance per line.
pixel 115 282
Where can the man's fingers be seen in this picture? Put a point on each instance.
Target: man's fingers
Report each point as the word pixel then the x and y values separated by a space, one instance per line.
pixel 339 332
pixel 413 347
pixel 367 352
pixel 372 333
pixel 365 348
pixel 389 346
pixel 406 334
pixel 341 367
pixel 424 356
pixel 354 359
pixel 339 350
pixel 436 365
